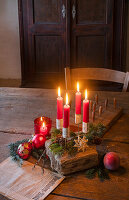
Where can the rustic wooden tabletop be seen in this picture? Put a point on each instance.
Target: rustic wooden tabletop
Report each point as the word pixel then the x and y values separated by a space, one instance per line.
pixel 18 109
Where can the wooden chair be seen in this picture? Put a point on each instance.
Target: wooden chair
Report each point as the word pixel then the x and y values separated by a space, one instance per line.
pixel 96 74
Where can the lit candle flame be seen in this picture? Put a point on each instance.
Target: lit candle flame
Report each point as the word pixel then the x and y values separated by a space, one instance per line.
pixel 85 94
pixel 41 119
pixel 43 124
pixel 59 93
pixel 66 99
pixel 78 86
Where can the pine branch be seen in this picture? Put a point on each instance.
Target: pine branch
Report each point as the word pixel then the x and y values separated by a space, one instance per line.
pixel 91 173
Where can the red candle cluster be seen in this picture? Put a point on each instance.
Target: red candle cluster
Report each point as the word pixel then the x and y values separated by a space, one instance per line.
pixel 42 125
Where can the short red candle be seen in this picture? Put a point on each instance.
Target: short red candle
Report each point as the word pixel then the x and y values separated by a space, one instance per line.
pixel 66 114
pixel 59 106
pixel 78 101
pixel 38 125
pixel 86 109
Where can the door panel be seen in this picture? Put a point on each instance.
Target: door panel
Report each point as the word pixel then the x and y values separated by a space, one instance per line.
pixel 45 36
pixel 47 11
pixel 91 12
pixel 92 33
pixel 48 50
pixel 89 47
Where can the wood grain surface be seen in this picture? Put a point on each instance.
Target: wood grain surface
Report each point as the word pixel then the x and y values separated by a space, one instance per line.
pixel 19 107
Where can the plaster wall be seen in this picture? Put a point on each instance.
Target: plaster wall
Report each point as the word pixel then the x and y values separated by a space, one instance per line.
pixel 10 64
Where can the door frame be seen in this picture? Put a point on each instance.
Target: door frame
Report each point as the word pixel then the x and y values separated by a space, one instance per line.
pixel 120 37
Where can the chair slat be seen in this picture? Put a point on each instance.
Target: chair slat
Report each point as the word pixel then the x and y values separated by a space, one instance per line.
pixel 96 74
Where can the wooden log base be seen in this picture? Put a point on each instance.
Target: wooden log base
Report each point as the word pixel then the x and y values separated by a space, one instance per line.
pixel 66 165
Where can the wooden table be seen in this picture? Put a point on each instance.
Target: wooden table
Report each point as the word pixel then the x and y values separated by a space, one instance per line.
pixel 18 109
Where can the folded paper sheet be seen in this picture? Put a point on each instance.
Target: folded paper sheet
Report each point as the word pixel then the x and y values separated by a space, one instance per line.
pixel 20 183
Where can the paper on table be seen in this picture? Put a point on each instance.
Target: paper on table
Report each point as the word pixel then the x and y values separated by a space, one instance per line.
pixel 20 183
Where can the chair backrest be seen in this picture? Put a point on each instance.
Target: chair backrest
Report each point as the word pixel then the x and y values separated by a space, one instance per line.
pixel 96 74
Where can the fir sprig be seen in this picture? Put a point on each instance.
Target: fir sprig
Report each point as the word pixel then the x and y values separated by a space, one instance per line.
pixel 56 149
pixel 95 133
pixel 103 174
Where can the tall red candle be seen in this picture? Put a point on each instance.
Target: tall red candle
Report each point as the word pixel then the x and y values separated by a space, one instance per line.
pixel 59 105
pixel 66 114
pixel 86 109
pixel 78 101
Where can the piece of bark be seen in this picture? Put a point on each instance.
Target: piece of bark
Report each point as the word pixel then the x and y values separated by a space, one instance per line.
pixel 69 164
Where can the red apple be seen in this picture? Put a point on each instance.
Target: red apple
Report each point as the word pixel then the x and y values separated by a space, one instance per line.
pixel 111 161
pixel 38 141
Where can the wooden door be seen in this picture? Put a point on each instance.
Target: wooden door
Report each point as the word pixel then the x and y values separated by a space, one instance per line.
pixel 44 23
pixel 91 33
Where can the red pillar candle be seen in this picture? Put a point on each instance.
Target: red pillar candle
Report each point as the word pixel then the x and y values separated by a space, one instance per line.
pixel 85 113
pixel 78 106
pixel 59 120
pixel 59 105
pixel 78 101
pixel 66 118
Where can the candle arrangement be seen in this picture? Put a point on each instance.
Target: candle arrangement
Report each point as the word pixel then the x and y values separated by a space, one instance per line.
pixel 61 144
pixel 65 119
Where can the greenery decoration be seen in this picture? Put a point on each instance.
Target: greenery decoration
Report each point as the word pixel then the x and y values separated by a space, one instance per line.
pixel 99 170
pixel 56 148
pixel 59 145
pixel 95 133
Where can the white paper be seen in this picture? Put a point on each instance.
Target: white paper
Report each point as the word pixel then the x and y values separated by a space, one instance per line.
pixel 20 183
